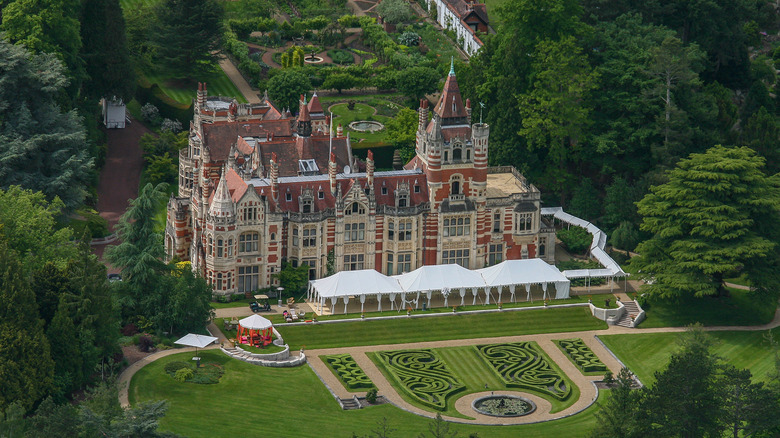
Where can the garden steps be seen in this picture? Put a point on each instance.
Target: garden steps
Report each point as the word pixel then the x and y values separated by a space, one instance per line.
pixel 627 320
pixel 349 403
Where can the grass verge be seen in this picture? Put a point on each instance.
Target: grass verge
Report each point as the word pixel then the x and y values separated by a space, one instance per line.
pixel 458 326
pixel 253 401
pixel 646 353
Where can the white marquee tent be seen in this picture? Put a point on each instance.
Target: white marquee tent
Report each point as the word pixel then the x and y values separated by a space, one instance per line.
pixel 346 284
pixel 444 279
pixel 255 322
pixel 512 273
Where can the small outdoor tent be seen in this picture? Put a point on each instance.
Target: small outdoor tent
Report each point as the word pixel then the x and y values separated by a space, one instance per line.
pixel 254 328
pixel 512 273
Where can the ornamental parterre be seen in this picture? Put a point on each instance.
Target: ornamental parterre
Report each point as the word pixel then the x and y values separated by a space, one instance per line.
pixel 258 186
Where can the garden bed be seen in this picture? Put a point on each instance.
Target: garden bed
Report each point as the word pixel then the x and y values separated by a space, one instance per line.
pixel 348 371
pixel 582 356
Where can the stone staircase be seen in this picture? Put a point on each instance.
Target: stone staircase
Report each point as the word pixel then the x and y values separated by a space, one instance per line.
pixel 349 403
pixel 281 359
pixel 632 310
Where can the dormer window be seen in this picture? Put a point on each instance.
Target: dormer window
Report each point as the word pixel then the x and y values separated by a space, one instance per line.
pixel 402 195
pixel 288 197
pixel 355 208
pixel 307 201
pixel 321 195
pixel 417 189
pixel 384 190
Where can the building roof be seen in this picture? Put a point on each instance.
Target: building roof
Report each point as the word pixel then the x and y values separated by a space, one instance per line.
pixel 450 105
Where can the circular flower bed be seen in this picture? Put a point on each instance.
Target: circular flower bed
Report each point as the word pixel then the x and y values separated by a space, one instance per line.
pixel 503 406
pixel 185 372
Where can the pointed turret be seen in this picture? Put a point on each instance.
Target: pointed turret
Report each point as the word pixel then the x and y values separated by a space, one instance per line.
pixel 450 106
pixel 222 205
pixel 314 106
pixel 304 120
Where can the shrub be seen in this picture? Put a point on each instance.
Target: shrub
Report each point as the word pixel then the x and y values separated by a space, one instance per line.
pixel 576 239
pixel 423 375
pixel 125 341
pixel 183 374
pixel 341 57
pixel 208 374
pixel 145 343
pixel 348 371
pixel 129 329
pixel 169 125
pixel 409 38
pixel 172 367
pixel 371 396
pixel 150 114
pixel 523 365
pixel 581 355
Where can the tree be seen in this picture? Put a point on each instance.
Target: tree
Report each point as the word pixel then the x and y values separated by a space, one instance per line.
pixel 762 134
pixel 49 283
pixel 105 51
pixel 416 82
pixel 554 111
pixel 382 429
pixel 394 11
pixel 618 416
pixel 186 36
pixel 292 279
pixel 672 66
pixel 161 169
pixel 185 305
pixel 30 227
pixel 47 26
pixel 439 428
pixel 140 254
pixel 26 367
pixel 340 81
pixel 749 408
pixel 64 340
pixel 716 216
pixel 43 148
pixel 286 86
pixel 402 132
pixel 619 203
pixel 684 400
pixel 585 201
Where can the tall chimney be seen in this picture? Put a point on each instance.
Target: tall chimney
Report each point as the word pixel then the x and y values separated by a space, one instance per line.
pixel 423 115
pixel 274 177
pixel 339 131
pixel 332 172
pixel 370 169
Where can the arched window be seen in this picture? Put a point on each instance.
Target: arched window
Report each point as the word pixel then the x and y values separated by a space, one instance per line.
pixel 355 208
pixel 455 187
pixel 468 154
pixel 219 248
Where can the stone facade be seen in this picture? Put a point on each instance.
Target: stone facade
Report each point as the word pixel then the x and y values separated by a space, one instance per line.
pixel 258 186
pixel 464 17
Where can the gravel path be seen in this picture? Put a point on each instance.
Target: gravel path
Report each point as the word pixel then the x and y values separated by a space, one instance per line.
pixel 243 86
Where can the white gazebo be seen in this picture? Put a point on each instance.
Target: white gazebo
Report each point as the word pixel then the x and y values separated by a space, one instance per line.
pixel 513 273
pixel 443 278
pixel 353 284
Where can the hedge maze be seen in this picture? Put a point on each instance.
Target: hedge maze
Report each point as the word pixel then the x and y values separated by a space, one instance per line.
pixel 581 355
pixel 524 365
pixel 348 371
pixel 423 375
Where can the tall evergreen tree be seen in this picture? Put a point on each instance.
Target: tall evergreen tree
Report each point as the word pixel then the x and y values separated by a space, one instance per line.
pixel 26 367
pixel 44 149
pixel 186 35
pixel 717 215
pixel 105 50
pixel 64 340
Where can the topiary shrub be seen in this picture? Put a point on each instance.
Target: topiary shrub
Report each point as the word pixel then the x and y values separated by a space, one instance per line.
pixel 182 375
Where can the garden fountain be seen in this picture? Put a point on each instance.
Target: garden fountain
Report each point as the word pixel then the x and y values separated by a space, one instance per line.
pixel 503 406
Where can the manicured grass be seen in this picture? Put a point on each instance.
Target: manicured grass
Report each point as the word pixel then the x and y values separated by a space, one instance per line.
pixel 740 308
pixel 253 401
pixel 458 326
pixel 581 356
pixel 217 82
pixel 345 116
pixel 646 353
pixel 238 303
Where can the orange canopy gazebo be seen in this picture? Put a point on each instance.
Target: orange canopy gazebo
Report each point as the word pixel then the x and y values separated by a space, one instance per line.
pixel 254 330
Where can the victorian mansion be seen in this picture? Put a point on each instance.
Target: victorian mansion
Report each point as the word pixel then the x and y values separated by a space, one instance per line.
pixel 258 186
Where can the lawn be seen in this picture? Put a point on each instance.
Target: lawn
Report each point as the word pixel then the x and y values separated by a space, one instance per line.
pixel 266 402
pixel 740 308
pixel 217 83
pixel 458 326
pixel 345 116
pixel 646 353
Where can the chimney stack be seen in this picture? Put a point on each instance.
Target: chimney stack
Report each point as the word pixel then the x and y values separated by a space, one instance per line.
pixel 423 115
pixel 332 172
pixel 274 177
pixel 339 131
pixel 370 169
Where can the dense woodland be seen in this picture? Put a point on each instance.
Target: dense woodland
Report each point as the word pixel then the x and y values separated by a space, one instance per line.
pixel 658 121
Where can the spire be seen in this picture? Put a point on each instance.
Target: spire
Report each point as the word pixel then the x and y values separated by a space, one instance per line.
pixel 450 105
pixel 222 204
pixel 452 66
pixel 304 120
